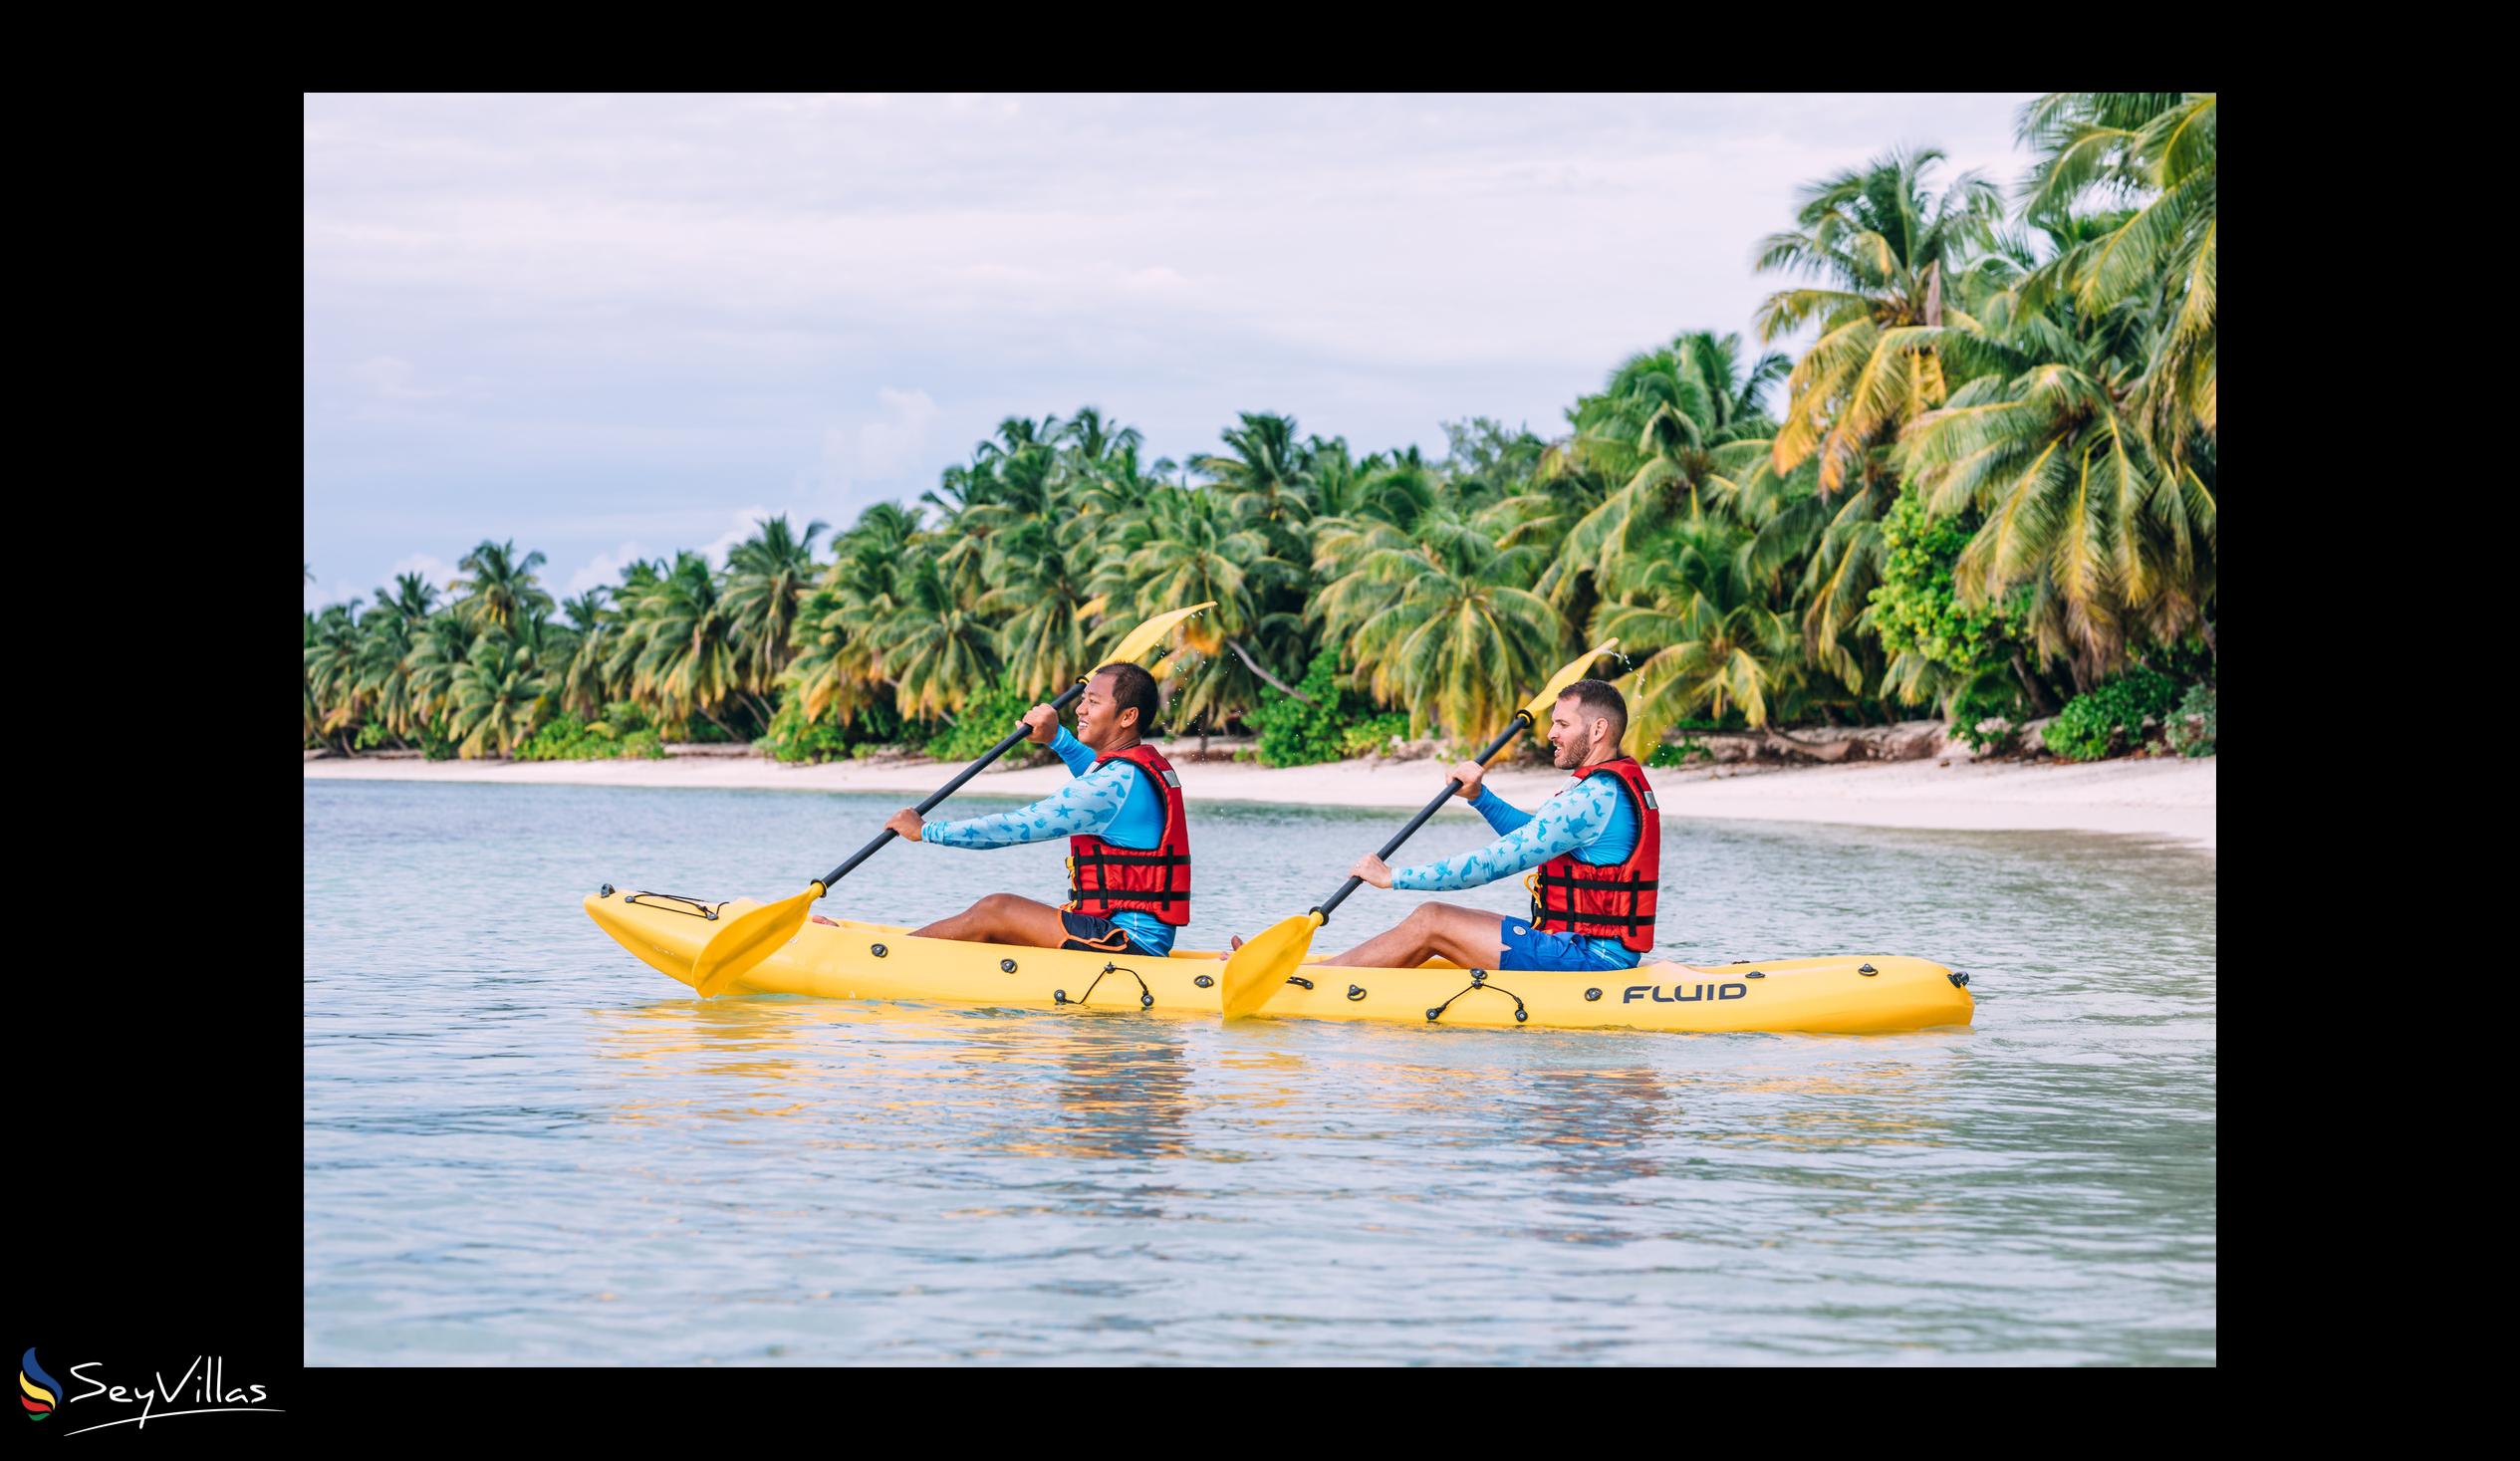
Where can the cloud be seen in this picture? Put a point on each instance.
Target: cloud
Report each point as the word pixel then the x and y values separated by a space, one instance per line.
pixel 747 524
pixel 605 569
pixel 437 570
pixel 886 450
pixel 389 379
pixel 342 591
pixel 595 312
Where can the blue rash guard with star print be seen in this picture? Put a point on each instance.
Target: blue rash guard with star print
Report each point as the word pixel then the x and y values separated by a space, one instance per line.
pixel 1111 801
pixel 1590 818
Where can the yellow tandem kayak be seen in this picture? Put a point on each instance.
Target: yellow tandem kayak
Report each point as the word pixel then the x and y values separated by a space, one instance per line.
pixel 1850 994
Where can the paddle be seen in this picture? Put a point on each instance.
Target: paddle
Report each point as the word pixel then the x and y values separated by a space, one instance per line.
pixel 1259 968
pixel 758 933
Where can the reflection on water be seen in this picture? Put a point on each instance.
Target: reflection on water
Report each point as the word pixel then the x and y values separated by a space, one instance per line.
pixel 523 1147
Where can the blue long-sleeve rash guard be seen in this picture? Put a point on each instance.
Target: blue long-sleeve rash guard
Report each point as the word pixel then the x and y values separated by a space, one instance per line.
pixel 1590 818
pixel 1114 801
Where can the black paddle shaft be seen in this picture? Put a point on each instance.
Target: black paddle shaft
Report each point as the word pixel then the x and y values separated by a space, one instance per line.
pixel 949 789
pixel 1451 788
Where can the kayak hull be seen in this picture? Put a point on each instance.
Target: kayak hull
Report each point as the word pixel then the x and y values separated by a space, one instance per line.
pixel 856 960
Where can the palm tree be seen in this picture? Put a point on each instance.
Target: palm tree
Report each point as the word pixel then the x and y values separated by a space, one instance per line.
pixel 312 726
pixel 596 628
pixel 496 695
pixel 1673 426
pixel 1185 548
pixel 686 659
pixel 2156 150
pixel 1709 642
pixel 1440 622
pixel 1038 594
pixel 1091 440
pixel 1883 246
pixel 935 650
pixel 1266 477
pixel 766 576
pixel 2076 504
pixel 332 670
pixel 386 635
pixel 502 591
pixel 839 630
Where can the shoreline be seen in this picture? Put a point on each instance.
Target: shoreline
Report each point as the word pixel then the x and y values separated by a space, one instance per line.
pixel 2160 799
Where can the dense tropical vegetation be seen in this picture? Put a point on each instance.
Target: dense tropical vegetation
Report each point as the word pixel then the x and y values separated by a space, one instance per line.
pixel 1988 493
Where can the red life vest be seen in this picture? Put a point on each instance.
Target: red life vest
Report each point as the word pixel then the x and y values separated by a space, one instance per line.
pixel 1104 877
pixel 1613 901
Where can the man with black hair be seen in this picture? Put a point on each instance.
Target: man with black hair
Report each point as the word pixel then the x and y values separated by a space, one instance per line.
pixel 1597 844
pixel 1128 841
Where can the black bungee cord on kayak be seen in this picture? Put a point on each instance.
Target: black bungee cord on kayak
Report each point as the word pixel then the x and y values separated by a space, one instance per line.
pixel 1478 980
pixel 697 907
pixel 1146 996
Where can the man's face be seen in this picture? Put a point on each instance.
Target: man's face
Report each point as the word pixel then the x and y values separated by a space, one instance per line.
pixel 1568 738
pixel 1097 719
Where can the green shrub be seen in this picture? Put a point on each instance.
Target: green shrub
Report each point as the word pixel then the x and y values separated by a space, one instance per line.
pixel 1678 753
pixel 2112 717
pixel 1990 696
pixel 1915 612
pixel 791 737
pixel 1339 722
pixel 565 737
pixel 982 722
pixel 2192 727
pixel 1372 734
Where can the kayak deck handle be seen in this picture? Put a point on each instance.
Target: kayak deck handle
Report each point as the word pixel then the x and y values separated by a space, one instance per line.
pixel 1478 980
pixel 1146 996
pixel 695 907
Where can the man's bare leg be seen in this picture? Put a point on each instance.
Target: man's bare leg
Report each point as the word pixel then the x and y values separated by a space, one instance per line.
pixel 1471 937
pixel 1002 918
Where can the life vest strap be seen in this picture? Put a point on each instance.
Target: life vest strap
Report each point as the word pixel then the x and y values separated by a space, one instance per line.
pixel 1598 884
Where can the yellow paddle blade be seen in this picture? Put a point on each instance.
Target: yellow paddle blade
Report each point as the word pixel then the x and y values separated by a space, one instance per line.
pixel 1548 696
pixel 1151 634
pixel 748 938
pixel 1259 968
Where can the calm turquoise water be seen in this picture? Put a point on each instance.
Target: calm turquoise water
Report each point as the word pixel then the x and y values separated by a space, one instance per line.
pixel 522 1144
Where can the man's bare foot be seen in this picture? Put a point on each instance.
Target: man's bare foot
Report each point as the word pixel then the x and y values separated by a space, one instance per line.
pixel 819 918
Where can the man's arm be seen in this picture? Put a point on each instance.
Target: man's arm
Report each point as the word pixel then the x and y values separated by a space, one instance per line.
pixel 1501 815
pixel 1078 755
pixel 1084 804
pixel 1571 818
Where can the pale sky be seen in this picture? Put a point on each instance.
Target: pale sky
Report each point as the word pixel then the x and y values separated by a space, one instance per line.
pixel 611 326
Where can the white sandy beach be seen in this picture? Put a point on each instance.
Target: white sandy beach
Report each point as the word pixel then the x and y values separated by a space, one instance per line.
pixel 2160 799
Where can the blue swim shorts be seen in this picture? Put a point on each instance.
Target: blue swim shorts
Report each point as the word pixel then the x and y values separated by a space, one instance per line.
pixel 1527 947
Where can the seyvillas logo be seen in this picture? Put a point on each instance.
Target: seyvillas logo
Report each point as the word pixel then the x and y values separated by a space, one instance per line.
pixel 204 1384
pixel 1682 994
pixel 38 1392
